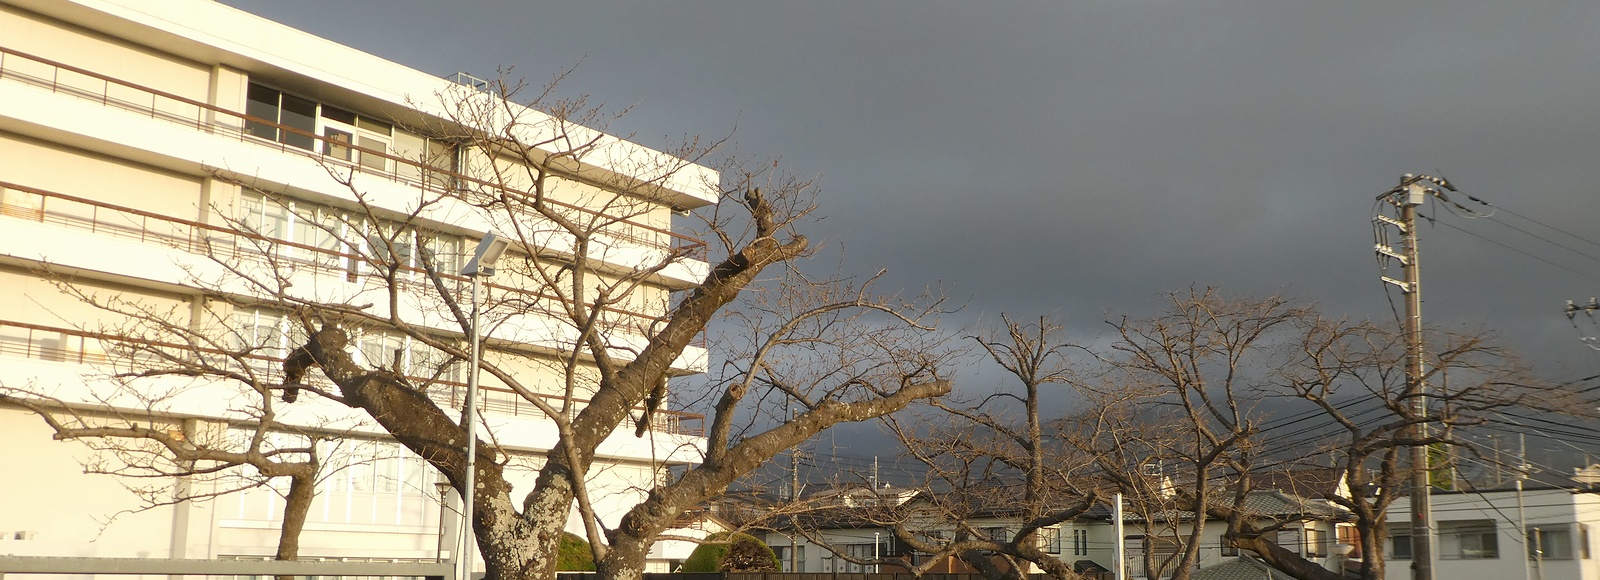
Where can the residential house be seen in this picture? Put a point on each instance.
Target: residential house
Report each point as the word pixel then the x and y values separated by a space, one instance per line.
pixel 1310 527
pixel 1543 532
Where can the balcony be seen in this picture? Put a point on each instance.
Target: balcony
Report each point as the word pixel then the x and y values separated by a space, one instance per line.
pixel 220 243
pixel 154 104
pixel 74 346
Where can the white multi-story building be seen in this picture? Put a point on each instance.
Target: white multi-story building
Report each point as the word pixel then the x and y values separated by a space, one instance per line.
pixel 156 156
pixel 1488 535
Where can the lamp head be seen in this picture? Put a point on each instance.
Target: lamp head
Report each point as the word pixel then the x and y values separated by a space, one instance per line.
pixel 489 251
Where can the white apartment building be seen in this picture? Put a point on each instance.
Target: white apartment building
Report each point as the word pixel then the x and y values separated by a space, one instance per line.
pixel 158 155
pixel 1484 535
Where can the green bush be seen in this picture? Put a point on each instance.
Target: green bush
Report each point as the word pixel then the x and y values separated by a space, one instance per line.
pixel 574 554
pixel 741 553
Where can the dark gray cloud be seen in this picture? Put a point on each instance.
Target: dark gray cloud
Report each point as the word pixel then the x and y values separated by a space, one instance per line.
pixel 1081 157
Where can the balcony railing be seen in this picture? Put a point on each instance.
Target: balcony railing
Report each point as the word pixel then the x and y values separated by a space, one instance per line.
pixel 34 204
pixel 156 104
pixel 69 345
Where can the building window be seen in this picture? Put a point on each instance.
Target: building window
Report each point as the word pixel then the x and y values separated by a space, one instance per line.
pixel 784 553
pixel 857 552
pixel 1399 544
pixel 1080 542
pixel 1050 540
pixel 285 118
pixel 298 115
pixel 343 128
pixel 1229 548
pixel 1316 543
pixel 1350 536
pixel 1468 540
pixel 997 534
pixel 1554 541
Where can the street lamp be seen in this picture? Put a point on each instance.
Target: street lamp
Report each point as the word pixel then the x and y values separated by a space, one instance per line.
pixel 482 264
pixel 876 567
pixel 1341 552
pixel 443 485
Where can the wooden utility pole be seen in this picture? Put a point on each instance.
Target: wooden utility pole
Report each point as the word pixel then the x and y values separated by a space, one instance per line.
pixel 1413 190
pixel 1421 500
pixel 794 496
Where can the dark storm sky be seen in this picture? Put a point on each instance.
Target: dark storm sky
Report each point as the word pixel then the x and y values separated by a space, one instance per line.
pixel 1078 158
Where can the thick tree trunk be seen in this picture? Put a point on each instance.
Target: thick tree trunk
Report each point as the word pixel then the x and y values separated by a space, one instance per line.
pixel 297 505
pixel 507 541
pixel 1287 561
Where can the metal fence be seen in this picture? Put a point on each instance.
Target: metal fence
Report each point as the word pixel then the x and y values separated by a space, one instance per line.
pixel 260 568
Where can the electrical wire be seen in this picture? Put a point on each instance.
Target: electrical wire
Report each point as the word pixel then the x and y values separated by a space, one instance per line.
pixel 1508 247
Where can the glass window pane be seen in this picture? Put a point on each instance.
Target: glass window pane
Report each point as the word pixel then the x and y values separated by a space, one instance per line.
pixel 339 115
pixel 338 144
pixel 442 156
pixel 375 125
pixel 370 160
pixel 299 114
pixel 261 103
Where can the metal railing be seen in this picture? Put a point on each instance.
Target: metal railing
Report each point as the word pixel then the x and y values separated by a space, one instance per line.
pixel 223 568
pixel 70 345
pixel 109 91
pixel 38 205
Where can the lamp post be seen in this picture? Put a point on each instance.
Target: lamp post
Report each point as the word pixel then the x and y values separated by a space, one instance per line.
pixel 1341 553
pixel 443 485
pixel 482 264
pixel 876 567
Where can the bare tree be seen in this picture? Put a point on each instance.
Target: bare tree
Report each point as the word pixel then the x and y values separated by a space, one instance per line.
pixel 1199 359
pixel 1207 363
pixel 988 460
pixel 1338 364
pixel 164 459
pixel 585 322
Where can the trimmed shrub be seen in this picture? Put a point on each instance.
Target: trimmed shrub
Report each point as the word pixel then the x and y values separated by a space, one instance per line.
pixel 574 555
pixel 742 553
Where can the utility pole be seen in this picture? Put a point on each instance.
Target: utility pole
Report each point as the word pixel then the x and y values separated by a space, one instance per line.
pixel 1410 194
pixel 794 495
pixel 1119 570
pixel 1522 516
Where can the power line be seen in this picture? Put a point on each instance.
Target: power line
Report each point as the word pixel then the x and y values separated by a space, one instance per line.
pixel 1508 247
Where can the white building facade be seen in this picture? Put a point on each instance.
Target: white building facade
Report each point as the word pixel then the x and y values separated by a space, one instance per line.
pixel 148 147
pixel 1484 535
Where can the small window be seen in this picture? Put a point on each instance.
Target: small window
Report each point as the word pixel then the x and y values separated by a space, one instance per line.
pixel 338 144
pixel 1399 544
pixel 1550 542
pixel 373 151
pixel 375 125
pixel 1080 542
pixel 1316 543
pixel 261 103
pixel 1468 540
pixel 338 114
pixel 1348 535
pixel 997 534
pixel 300 116
pixel 1050 540
pixel 1229 548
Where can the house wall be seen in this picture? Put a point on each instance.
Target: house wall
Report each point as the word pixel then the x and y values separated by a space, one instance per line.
pixel 1298 538
pixel 824 556
pixel 1556 510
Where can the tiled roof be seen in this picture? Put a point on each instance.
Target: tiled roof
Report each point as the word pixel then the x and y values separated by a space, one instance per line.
pixel 1245 568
